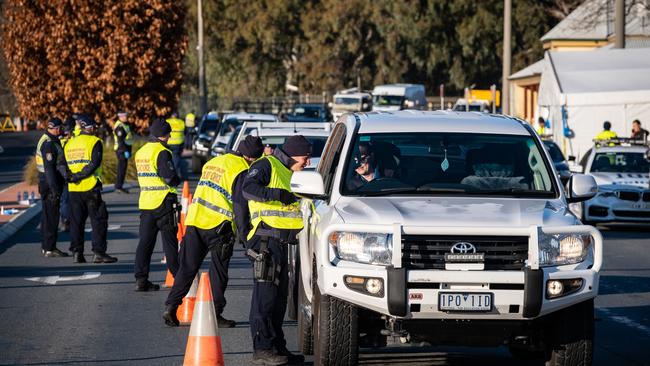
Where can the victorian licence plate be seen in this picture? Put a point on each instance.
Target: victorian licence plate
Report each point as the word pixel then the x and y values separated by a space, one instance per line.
pixel 463 301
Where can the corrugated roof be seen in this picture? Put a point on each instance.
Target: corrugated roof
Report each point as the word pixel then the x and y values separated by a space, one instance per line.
pixel 594 20
pixel 531 70
pixel 606 71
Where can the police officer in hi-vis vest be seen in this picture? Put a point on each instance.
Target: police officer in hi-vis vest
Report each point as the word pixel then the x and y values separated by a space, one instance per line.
pixel 83 155
pixel 218 213
pixel 276 219
pixel 51 169
pixel 158 204
pixel 123 140
pixel 176 140
pixel 66 135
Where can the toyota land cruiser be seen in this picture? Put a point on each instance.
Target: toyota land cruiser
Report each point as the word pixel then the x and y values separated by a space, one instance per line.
pixel 444 227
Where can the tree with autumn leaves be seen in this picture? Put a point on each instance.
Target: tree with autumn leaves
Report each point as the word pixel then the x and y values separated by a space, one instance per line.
pixel 95 57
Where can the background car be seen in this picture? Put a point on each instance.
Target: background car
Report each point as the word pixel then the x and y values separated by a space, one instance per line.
pixel 309 113
pixel 205 132
pixel 229 126
pixel 559 161
pixel 621 173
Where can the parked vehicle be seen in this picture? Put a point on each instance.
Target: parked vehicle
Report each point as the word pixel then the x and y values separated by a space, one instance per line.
pixel 346 102
pixel 621 172
pixel 229 126
pixel 312 112
pixel 559 161
pixel 205 132
pixel 447 228
pixel 394 97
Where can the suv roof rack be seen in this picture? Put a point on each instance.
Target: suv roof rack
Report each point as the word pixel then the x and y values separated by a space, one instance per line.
pixel 623 141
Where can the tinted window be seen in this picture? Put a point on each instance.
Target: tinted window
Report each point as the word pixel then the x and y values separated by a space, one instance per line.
pixel 381 100
pixel 447 163
pixel 620 162
pixel 554 151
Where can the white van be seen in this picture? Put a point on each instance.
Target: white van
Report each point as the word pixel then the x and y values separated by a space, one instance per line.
pixel 395 97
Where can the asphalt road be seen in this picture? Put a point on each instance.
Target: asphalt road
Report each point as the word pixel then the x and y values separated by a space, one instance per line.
pixel 102 320
pixel 17 148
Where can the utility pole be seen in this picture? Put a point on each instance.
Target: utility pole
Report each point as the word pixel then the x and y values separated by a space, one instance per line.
pixel 203 98
pixel 619 28
pixel 507 54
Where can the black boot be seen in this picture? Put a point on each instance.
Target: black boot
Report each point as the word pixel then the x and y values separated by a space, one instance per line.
pixel 293 358
pixel 268 357
pixel 78 257
pixel 54 253
pixel 103 258
pixel 170 316
pixel 145 285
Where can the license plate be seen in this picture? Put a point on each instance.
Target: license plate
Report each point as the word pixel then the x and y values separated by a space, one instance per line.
pixel 642 206
pixel 463 301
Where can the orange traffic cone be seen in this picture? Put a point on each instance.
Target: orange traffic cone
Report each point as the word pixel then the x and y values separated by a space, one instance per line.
pixel 169 280
pixel 186 310
pixel 204 343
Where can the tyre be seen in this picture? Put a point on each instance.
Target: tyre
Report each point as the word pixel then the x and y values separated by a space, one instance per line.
pixel 196 164
pixel 305 329
pixel 336 331
pixel 570 336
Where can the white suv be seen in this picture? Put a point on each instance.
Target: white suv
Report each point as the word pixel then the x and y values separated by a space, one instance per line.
pixel 444 227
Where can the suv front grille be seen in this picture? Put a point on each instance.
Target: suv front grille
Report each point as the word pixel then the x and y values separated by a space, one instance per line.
pixel 428 251
pixel 628 195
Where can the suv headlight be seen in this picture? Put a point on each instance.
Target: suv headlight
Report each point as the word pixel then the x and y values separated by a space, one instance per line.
pixel 371 248
pixel 560 249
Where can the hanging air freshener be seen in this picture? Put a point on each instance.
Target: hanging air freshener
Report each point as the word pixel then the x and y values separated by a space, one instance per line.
pixel 445 163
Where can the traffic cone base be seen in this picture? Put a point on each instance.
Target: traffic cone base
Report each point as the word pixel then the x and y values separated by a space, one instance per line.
pixel 204 343
pixel 185 312
pixel 203 351
pixel 169 280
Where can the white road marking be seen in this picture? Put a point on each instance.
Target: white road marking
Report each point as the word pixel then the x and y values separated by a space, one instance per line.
pixel 626 321
pixel 52 280
pixel 110 228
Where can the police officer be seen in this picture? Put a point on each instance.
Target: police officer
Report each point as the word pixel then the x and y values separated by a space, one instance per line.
pixel 123 140
pixel 217 212
pixel 190 122
pixel 276 219
pixel 176 140
pixel 158 201
pixel 83 155
pixel 68 128
pixel 606 134
pixel 49 156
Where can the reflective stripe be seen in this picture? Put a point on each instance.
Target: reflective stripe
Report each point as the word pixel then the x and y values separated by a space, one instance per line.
pixel 80 161
pixel 159 188
pixel 289 214
pixel 216 208
pixel 152 175
pixel 216 187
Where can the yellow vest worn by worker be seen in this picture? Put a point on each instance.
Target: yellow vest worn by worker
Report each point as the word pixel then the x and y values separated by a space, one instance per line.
pixel 78 153
pixel 541 131
pixel 177 135
pixel 38 156
pixel 274 213
pixel 64 140
pixel 128 140
pixel 212 201
pixel 77 130
pixel 153 188
pixel 190 119
pixel 606 135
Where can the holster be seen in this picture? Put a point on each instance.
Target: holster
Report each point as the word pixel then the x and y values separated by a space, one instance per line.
pixel 224 241
pixel 264 267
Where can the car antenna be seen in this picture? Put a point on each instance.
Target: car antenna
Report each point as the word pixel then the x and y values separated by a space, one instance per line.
pixel 295 129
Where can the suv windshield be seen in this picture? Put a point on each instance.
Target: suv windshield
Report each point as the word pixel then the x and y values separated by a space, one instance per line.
pixel 209 126
pixel 347 100
pixel 620 162
pixel 447 163
pixel 382 100
pixel 307 111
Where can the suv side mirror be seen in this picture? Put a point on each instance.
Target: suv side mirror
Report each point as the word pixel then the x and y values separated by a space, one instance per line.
pixel 581 188
pixel 308 184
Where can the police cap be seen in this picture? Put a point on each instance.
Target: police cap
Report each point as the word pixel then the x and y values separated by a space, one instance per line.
pixel 54 122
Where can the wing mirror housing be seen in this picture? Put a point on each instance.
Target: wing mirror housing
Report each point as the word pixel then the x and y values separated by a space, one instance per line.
pixel 581 187
pixel 308 185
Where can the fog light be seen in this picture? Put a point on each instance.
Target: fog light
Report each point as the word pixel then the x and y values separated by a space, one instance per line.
pixel 554 289
pixel 374 286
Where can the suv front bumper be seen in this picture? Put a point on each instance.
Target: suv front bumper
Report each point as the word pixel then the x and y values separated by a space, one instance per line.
pixel 415 294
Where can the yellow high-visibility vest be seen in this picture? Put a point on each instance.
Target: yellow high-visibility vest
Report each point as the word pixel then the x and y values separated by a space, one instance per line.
pixel 38 156
pixel 177 135
pixel 153 188
pixel 77 130
pixel 64 140
pixel 606 135
pixel 78 154
pixel 128 140
pixel 190 120
pixel 274 213
pixel 212 202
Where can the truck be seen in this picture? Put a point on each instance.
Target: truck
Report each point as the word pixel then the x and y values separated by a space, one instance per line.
pixel 394 97
pixel 442 227
pixel 350 101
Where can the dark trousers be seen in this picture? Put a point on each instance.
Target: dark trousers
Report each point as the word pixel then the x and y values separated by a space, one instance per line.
pixel 177 150
pixel 64 203
pixel 269 301
pixel 122 164
pixel 84 205
pixel 161 219
pixel 49 216
pixel 196 245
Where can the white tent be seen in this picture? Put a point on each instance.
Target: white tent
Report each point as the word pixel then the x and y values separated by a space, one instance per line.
pixel 593 87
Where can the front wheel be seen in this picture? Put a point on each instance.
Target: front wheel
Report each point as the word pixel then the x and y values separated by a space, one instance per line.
pixel 570 336
pixel 336 330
